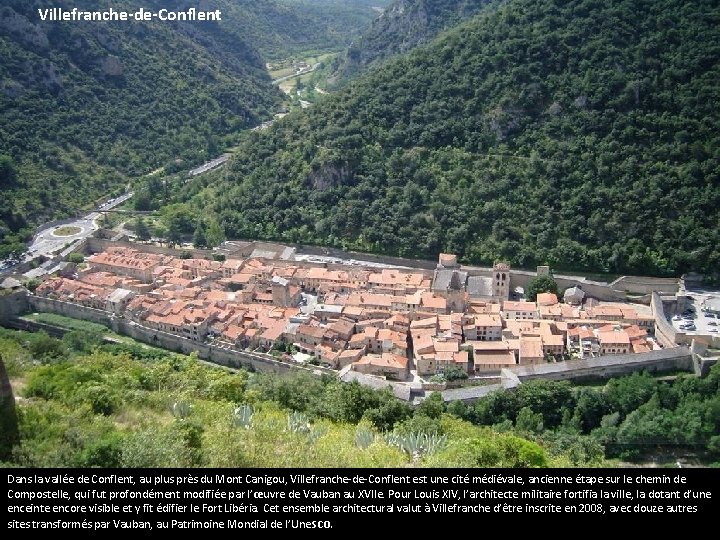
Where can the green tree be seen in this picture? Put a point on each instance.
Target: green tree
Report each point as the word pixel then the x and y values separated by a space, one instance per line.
pixel 540 284
pixel 142 200
pixel 529 421
pixel 160 231
pixel 141 229
pixel 179 219
pixel 432 406
pixel 548 398
pixel 215 233
pixel 174 235
pixel 454 373
pixel 32 284
pixel 199 237
pixel 343 402
pixel 460 409
pixel 590 408
pixel 45 348
pixel 7 171
pixel 76 258
pixel 82 340
pixel 627 393
pixel 391 412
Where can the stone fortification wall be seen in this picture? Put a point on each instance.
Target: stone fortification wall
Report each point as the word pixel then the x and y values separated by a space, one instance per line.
pixel 12 304
pixel 96 245
pixel 665 331
pixel 605 367
pixel 646 285
pixel 212 353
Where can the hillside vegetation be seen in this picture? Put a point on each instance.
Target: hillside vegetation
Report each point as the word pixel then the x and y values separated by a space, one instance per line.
pixel 85 106
pixel 581 134
pixel 634 417
pixel 90 405
pixel 404 25
pixel 84 403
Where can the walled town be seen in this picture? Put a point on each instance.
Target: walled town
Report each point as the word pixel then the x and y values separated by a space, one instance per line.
pixel 399 323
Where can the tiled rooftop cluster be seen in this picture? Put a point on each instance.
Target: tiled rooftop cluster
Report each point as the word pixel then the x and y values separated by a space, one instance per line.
pixel 376 321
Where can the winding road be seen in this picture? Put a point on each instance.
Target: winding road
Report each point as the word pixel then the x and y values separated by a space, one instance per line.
pixel 47 243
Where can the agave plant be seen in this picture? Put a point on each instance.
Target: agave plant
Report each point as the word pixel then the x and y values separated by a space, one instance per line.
pixel 434 442
pixel 364 437
pixel 316 432
pixel 180 409
pixel 243 416
pixel 417 444
pixel 298 422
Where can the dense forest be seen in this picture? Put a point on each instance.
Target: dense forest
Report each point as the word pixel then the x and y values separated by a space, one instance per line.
pixel 87 106
pixel 405 24
pixel 86 403
pixel 579 134
pixel 630 417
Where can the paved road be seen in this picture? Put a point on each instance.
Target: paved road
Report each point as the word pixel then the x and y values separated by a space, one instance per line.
pixel 47 243
pixel 210 165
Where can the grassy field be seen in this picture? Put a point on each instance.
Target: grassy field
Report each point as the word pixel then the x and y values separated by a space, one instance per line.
pixel 66 231
pixel 282 72
pixel 69 323
pixel 286 69
pixel 66 322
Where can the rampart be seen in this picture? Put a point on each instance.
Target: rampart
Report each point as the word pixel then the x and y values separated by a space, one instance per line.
pixel 222 355
pixel 668 359
pixel 664 331
pixel 12 304
pixel 605 367
pixel 601 368
pixel 96 245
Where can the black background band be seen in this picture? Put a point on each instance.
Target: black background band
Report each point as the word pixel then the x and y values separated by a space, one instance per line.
pixel 97 499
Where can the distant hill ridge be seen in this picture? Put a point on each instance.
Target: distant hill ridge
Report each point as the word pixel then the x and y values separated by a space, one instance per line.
pixel 404 25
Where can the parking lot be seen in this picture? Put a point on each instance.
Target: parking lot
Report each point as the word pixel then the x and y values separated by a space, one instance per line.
pixel 695 320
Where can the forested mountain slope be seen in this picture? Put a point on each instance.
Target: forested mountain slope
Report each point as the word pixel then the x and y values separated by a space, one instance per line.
pixel 405 24
pixel 83 105
pixel 582 134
